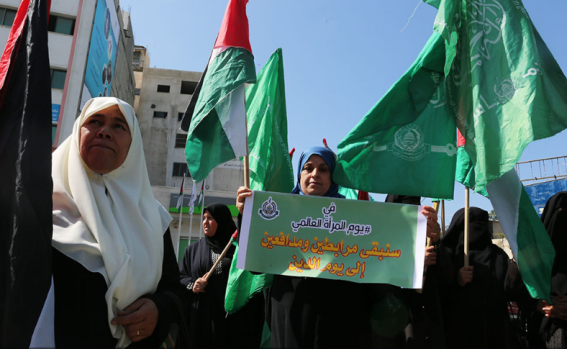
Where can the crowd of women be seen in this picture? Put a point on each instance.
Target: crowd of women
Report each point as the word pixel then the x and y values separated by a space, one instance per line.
pixel 117 282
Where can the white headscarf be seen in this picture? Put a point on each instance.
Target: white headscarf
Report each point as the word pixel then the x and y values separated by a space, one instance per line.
pixel 111 224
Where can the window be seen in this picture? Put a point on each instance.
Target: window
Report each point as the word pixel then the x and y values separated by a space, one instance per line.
pixel 137 92
pixel 58 78
pixel 61 25
pixel 160 114
pixel 163 88
pixel 7 16
pixel 188 87
pixel 180 116
pixel 179 168
pixel 180 140
pixel 53 133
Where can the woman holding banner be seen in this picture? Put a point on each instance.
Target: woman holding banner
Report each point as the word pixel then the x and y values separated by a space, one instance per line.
pixel 114 268
pixel 315 312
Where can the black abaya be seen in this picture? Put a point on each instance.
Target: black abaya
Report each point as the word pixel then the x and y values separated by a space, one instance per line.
pixel 554 219
pixel 476 315
pixel 81 316
pixel 209 324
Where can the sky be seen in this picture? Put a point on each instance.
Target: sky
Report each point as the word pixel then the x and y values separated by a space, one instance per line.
pixel 340 57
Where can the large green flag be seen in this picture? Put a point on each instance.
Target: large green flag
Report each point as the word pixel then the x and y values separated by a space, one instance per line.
pixel 504 87
pixel 406 143
pixel 270 163
pixel 217 131
pixel 505 90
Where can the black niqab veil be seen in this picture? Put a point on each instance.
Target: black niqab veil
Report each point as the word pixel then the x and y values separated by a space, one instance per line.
pixel 554 219
pixel 225 228
pixel 475 314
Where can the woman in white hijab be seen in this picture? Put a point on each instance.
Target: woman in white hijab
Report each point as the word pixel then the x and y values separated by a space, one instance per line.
pixel 113 259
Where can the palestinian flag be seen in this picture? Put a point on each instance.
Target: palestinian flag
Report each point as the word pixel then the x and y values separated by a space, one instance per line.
pixel 216 115
pixel 26 302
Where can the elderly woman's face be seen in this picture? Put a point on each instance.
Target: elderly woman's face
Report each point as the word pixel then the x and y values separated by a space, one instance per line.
pixel 315 176
pixel 105 140
pixel 209 224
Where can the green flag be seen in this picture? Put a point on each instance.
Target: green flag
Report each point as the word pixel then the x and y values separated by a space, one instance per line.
pixel 217 131
pixel 465 167
pixel 270 163
pixel 406 143
pixel 505 90
pixel 504 87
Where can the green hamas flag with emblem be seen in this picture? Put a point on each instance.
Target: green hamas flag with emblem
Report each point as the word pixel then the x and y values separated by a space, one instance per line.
pixel 406 143
pixel 270 163
pixel 504 87
pixel 505 90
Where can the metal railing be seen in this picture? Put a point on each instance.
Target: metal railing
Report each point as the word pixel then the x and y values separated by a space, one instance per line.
pixel 542 169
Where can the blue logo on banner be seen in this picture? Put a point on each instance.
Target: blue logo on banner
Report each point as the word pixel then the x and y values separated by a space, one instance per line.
pixel 540 193
pixel 55 112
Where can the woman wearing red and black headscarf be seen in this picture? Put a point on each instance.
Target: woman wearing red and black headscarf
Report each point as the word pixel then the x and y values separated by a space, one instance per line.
pixel 209 325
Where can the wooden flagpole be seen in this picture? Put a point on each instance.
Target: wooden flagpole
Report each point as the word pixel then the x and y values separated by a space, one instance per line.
pixel 246 161
pixel 466 238
pixel 221 256
pixel 436 208
pixel 442 218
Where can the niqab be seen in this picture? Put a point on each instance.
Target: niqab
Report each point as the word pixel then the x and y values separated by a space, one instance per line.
pixel 554 219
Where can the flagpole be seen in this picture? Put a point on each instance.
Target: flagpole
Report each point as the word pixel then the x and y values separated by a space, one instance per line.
pixel 466 238
pixel 191 210
pixel 435 207
pixel 443 218
pixel 179 232
pixel 190 228
pixel 246 162
pixel 180 219
pixel 202 210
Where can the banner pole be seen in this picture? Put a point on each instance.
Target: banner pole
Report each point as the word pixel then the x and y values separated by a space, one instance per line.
pixel 466 238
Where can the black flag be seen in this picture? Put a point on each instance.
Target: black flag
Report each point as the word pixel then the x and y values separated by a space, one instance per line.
pixel 25 176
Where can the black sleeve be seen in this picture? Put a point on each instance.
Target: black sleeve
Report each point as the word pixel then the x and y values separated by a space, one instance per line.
pixel 186 280
pixel 164 297
pixel 516 290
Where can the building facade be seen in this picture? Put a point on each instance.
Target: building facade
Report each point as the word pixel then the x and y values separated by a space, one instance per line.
pixel 90 48
pixel 161 98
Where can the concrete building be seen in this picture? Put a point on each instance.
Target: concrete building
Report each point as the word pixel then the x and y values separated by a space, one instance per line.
pixel 75 27
pixel 161 98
